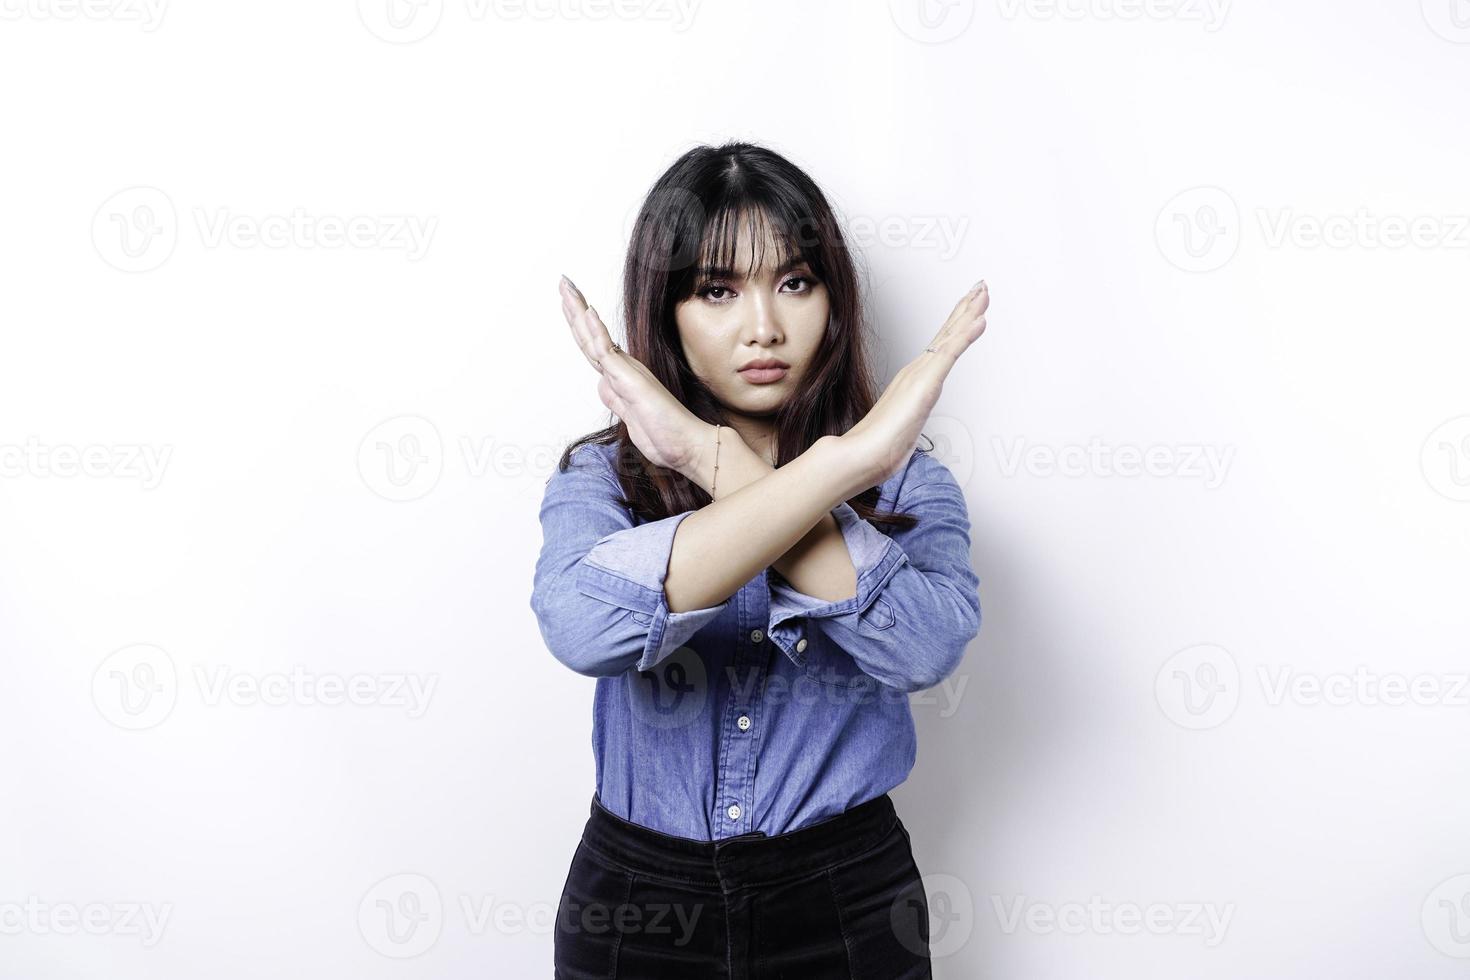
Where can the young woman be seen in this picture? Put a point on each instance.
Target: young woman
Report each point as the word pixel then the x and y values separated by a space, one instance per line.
pixel 757 565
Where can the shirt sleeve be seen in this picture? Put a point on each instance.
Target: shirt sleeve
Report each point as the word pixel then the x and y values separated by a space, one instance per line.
pixel 917 604
pixel 598 588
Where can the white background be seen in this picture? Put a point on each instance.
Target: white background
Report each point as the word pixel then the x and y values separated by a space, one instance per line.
pixel 1140 192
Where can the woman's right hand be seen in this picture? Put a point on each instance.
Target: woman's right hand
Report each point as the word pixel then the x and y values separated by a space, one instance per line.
pixel 885 437
pixel 665 431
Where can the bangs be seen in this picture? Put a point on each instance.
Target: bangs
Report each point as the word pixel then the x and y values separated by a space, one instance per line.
pixel 719 248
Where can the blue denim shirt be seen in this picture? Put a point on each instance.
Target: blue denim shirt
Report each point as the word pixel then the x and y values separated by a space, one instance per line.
pixel 773 709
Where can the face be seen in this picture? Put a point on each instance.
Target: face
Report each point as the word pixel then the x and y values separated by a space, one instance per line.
pixel 738 316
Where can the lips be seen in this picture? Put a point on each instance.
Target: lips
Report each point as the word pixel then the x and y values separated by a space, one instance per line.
pixel 764 371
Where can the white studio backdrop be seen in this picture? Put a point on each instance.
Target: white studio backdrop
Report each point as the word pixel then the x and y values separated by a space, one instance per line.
pixel 284 373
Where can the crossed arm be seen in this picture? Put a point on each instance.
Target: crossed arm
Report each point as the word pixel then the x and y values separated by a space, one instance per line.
pixel 762 517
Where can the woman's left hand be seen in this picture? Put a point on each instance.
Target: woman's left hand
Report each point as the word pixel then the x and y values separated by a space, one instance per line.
pixel 884 439
pixel 666 432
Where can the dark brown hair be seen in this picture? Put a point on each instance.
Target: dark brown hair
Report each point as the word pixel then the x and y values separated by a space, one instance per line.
pixel 691 218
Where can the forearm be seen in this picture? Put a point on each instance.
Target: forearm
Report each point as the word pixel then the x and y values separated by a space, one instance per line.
pixel 762 516
pixel 817 565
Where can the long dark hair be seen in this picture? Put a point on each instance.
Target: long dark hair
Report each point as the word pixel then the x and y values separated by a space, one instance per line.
pixel 692 216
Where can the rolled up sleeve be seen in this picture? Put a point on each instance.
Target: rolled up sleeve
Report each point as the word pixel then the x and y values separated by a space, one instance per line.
pixel 917 605
pixel 598 590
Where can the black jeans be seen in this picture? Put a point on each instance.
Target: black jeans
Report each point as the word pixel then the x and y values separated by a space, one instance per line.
pixel 837 900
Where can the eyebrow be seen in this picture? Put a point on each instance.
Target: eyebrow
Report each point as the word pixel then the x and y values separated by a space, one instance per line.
pixel 723 272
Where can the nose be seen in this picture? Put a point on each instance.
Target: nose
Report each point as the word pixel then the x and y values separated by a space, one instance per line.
pixel 763 326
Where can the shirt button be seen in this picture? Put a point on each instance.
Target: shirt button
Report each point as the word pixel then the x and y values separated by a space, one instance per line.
pixel 734 811
pixel 756 636
pixel 744 722
pixel 801 644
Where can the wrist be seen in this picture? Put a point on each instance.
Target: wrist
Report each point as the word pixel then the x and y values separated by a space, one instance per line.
pixel 702 441
pixel 842 457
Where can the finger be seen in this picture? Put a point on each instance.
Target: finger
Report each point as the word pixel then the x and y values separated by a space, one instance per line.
pixel 965 302
pixel 954 339
pixel 574 307
pixel 599 338
pixel 572 294
pixel 971 310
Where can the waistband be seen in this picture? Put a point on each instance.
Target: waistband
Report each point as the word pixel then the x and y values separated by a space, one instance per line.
pixel 750 859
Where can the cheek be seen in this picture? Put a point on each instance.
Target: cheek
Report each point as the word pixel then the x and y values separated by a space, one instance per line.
pixel 814 326
pixel 700 341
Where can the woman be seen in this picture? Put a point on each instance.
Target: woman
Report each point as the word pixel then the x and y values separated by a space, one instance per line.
pixel 757 566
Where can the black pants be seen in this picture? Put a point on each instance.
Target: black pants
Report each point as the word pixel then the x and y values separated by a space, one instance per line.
pixel 836 900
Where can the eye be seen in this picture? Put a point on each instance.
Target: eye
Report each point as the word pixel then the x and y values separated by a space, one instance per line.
pixel 707 292
pixel 807 281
